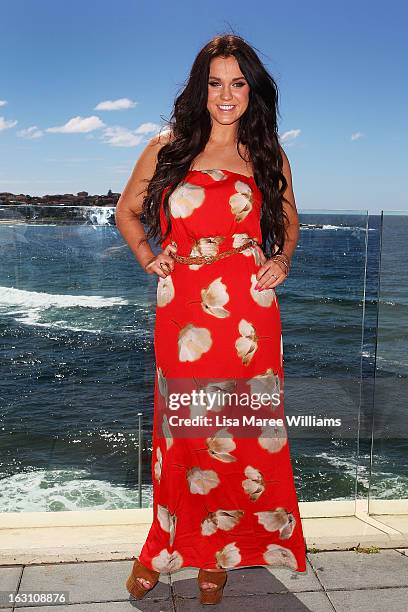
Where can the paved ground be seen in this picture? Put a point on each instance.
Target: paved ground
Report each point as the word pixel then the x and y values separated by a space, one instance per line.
pixel 340 581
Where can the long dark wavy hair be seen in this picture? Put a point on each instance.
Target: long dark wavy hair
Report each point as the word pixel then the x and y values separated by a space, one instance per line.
pixel 190 127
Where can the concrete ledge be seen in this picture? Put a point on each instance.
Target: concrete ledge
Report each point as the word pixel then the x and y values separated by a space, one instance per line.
pixel 70 544
pixel 388 506
pixel 77 518
pixel 113 542
pixel 325 509
pixel 341 533
pixel 11 520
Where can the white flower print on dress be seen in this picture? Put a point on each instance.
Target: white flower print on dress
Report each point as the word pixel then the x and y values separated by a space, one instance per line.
pixel 239 240
pixel 202 481
pixel 167 521
pixel 162 384
pixel 267 383
pixel 241 201
pixel 208 246
pixel 279 519
pixel 274 438
pixel 254 485
pixel 220 519
pixel 218 392
pixel 165 291
pixel 216 175
pixel 193 342
pixel 221 445
pixel 255 250
pixel 166 431
pixel 229 556
pixel 167 562
pixel 214 297
pixel 185 199
pixel 279 555
pixel 266 297
pixel 247 344
pixel 158 464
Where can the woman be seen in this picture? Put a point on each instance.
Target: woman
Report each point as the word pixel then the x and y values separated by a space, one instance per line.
pixel 218 195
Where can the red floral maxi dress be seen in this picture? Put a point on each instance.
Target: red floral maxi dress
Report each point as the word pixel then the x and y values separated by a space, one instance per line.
pixel 223 494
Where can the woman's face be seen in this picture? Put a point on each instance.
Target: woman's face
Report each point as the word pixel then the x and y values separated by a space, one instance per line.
pixel 228 90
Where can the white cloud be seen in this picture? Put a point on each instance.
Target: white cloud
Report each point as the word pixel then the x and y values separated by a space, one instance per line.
pixel 120 104
pixel 3 102
pixel 147 128
pixel 289 136
pixel 123 137
pixel 78 125
pixel 357 135
pixel 30 133
pixel 5 125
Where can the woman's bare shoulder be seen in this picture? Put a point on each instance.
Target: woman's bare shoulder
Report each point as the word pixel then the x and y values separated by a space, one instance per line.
pixel 134 191
pixel 148 157
pixel 162 138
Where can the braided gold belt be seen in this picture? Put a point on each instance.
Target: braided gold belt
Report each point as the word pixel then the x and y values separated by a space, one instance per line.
pixel 206 259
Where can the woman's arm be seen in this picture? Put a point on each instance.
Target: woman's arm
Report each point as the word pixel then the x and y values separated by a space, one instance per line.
pixel 129 206
pixel 292 226
pixel 274 266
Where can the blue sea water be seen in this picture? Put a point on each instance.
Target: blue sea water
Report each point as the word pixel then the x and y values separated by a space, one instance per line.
pixel 77 366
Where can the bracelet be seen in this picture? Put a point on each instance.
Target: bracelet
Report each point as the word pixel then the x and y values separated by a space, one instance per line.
pixel 285 260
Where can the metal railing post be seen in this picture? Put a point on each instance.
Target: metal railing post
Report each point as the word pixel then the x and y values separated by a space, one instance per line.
pixel 139 467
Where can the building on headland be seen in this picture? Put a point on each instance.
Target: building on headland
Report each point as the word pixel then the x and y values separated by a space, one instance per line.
pixel 82 198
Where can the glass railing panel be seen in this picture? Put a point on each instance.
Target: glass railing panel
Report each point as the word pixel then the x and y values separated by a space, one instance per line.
pixel 322 310
pixel 389 467
pixel 76 327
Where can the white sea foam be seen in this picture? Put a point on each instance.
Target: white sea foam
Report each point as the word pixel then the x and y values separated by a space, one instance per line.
pixel 385 485
pixel 10 296
pixel 328 226
pixel 384 362
pixel 100 215
pixel 30 307
pixel 57 490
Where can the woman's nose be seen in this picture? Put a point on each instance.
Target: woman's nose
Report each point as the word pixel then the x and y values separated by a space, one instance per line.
pixel 226 94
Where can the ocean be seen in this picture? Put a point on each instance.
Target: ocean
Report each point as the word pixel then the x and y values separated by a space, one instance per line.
pixel 77 362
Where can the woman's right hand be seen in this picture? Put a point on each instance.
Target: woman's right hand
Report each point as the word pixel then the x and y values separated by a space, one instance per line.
pixel 153 267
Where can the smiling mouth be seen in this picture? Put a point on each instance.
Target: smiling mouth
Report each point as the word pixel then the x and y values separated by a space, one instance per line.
pixel 226 108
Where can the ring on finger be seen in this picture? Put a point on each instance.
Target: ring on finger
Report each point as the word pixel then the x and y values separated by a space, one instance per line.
pixel 272 274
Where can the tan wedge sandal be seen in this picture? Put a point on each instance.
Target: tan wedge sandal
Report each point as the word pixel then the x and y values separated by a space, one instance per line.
pixel 211 595
pixel 134 586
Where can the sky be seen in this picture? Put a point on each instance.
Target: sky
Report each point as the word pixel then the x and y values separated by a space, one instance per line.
pixel 85 84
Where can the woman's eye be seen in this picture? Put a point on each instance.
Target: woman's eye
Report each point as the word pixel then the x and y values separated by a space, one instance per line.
pixel 214 83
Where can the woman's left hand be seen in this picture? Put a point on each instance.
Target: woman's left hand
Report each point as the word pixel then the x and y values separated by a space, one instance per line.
pixel 270 274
